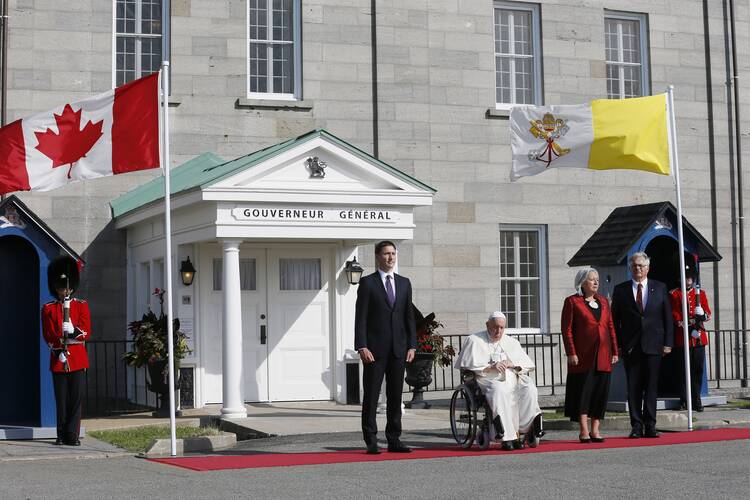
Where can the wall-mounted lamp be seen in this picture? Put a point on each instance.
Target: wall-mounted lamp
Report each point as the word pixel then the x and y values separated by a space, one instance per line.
pixel 353 271
pixel 187 271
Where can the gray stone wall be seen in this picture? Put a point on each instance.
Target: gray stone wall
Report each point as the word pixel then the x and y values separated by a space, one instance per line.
pixel 435 83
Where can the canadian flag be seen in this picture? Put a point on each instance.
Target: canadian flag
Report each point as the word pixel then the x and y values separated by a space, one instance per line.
pixel 108 134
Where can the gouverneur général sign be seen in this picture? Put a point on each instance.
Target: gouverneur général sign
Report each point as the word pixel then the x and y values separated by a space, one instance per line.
pixel 315 214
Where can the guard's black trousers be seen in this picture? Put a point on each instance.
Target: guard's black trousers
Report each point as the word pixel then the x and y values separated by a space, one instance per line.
pixel 697 362
pixel 68 399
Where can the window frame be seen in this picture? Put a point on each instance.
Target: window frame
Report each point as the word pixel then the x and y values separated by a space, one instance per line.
pixel 536 53
pixel 542 250
pixel 643 40
pixel 296 95
pixel 138 37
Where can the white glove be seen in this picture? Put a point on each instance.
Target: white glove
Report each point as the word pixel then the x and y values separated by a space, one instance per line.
pixel 695 334
pixel 68 327
pixel 62 357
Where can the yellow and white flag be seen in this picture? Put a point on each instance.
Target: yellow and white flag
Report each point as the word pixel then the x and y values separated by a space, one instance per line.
pixel 605 134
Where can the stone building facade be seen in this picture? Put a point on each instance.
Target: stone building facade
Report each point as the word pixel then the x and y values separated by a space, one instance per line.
pixel 427 98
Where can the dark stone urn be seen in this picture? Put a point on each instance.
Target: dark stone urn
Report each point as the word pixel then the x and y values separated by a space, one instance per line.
pixel 158 382
pixel 419 376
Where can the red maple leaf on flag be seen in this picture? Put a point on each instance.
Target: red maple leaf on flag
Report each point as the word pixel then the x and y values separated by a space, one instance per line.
pixel 71 143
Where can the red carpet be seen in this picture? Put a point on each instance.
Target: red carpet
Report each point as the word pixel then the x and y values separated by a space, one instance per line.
pixel 220 462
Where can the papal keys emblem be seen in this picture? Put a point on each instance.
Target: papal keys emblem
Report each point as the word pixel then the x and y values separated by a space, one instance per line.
pixel 549 129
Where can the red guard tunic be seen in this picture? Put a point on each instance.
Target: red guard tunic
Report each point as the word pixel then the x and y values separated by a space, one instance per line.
pixel 675 297
pixel 52 319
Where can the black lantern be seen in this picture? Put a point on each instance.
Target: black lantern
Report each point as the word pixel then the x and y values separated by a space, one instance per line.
pixel 187 271
pixel 353 271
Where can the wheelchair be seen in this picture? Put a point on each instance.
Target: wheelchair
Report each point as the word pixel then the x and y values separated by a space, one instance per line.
pixel 472 420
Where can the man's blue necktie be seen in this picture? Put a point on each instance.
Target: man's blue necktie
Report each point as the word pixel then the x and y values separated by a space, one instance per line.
pixel 389 290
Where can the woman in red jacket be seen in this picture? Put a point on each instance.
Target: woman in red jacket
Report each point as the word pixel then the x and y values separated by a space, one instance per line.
pixel 66 339
pixel 591 346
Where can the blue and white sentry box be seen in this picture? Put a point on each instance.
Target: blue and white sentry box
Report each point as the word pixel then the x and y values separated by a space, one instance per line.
pixel 27 245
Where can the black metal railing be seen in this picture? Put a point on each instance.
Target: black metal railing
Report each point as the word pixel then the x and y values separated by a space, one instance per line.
pixel 724 359
pixel 724 355
pixel 114 387
pixel 111 385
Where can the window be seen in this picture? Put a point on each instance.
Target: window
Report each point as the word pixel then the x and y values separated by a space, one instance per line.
pixel 144 289
pixel 299 274
pixel 523 283
pixel 138 34
pixel 247 274
pixel 273 53
pixel 626 51
pixel 517 55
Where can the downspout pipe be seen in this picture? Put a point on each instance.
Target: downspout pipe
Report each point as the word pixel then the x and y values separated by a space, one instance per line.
pixel 374 47
pixel 740 194
pixel 712 180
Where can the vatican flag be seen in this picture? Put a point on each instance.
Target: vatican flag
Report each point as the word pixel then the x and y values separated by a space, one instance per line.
pixel 605 134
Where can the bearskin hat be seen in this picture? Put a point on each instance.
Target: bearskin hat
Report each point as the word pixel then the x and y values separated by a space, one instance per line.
pixel 62 273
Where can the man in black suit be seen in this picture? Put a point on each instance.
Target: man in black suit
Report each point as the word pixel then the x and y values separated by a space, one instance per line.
pixel 385 336
pixel 642 316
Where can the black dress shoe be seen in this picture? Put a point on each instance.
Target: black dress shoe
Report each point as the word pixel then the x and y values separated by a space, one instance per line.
pixel 518 444
pixel 507 446
pixel 58 442
pixel 595 439
pixel 635 434
pixel 398 448
pixel 698 406
pixel 75 442
pixel 651 433
pixel 372 449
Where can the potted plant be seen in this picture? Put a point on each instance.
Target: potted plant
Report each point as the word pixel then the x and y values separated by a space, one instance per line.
pixel 431 348
pixel 150 349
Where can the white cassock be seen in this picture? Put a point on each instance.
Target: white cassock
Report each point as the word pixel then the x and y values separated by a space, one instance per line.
pixel 510 394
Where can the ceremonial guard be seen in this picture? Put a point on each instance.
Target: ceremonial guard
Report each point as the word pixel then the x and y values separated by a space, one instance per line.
pixel 66 325
pixel 698 313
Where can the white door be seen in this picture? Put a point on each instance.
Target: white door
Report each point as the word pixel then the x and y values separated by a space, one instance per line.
pixel 253 297
pixel 299 360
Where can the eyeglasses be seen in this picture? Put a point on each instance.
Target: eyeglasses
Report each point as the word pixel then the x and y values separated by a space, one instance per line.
pixel 639 266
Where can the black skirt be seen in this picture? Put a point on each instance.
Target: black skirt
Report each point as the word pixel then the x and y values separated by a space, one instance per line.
pixel 586 393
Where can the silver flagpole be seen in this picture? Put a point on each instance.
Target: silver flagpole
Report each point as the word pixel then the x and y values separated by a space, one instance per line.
pixel 685 336
pixel 168 253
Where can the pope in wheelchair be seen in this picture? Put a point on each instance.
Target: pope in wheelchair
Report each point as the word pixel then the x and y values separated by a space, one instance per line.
pixel 497 386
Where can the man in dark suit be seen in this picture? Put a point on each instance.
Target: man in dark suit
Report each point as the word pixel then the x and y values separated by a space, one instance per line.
pixel 641 312
pixel 385 336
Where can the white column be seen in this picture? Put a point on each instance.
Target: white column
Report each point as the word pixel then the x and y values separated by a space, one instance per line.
pixel 231 333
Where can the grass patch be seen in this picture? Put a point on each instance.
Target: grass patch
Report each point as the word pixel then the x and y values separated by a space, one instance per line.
pixel 739 403
pixel 138 439
pixel 560 414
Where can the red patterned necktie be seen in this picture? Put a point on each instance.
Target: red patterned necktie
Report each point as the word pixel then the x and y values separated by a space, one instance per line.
pixel 639 297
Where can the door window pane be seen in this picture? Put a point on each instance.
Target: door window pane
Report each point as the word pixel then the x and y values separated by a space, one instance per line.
pixel 299 274
pixel 247 274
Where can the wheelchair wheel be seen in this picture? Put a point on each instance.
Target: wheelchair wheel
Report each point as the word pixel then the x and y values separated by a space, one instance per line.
pixel 463 417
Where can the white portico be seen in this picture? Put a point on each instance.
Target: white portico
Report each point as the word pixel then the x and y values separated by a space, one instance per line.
pixel 270 313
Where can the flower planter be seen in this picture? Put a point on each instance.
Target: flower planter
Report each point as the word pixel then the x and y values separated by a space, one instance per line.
pixel 419 376
pixel 158 383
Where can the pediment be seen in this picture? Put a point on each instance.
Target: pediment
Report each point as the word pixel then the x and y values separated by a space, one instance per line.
pixel 321 164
